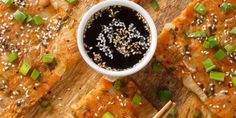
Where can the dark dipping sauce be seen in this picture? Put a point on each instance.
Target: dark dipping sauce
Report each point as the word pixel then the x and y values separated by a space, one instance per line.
pixel 117 38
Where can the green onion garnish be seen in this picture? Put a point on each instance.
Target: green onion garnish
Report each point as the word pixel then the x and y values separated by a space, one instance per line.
pixel 156 67
pixel 35 74
pixel 229 48
pixel 206 44
pixel 25 67
pixel 164 95
pixel 48 58
pixel 7 2
pixel 234 80
pixel 225 7
pixel 209 65
pixel 199 8
pixel 200 34
pixel 220 55
pixel 117 85
pixel 155 4
pixel 71 1
pixel 12 57
pixel 29 18
pixel 173 111
pixel 211 42
pixel 37 20
pixel 137 99
pixel 19 16
pixel 108 115
pixel 218 76
pixel 233 31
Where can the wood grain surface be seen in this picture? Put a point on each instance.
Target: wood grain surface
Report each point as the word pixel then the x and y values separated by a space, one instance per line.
pixel 82 78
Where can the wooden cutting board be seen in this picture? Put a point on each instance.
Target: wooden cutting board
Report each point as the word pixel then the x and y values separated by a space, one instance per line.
pixel 82 78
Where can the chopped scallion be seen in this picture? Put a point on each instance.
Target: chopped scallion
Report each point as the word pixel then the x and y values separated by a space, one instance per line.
pixel 211 42
pixel 108 115
pixel 156 67
pixel 48 58
pixel 225 7
pixel 29 18
pixel 12 57
pixel 200 34
pixel 229 48
pixel 137 99
pixel 164 95
pixel 199 8
pixel 25 67
pixel 7 2
pixel 218 76
pixel 220 55
pixel 155 4
pixel 35 74
pixel 117 85
pixel 234 80
pixel 233 31
pixel 71 1
pixel 37 20
pixel 19 16
pixel 209 65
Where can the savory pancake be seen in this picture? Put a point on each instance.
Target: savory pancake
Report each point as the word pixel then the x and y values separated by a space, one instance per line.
pixel 120 99
pixel 37 46
pixel 199 48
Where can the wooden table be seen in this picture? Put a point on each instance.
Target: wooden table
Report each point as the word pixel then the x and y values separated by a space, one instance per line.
pixel 82 78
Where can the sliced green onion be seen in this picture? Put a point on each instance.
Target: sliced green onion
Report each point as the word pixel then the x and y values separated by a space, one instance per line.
pixel 206 44
pixel 218 76
pixel 117 85
pixel 155 4
pixel 220 55
pixel 108 115
pixel 156 67
pixel 48 58
pixel 19 16
pixel 165 95
pixel 213 41
pixel 173 111
pixel 7 2
pixel 37 20
pixel 209 65
pixel 137 99
pixel 71 1
pixel 25 67
pixel 225 7
pixel 29 18
pixel 233 31
pixel 200 34
pixel 234 80
pixel 199 8
pixel 229 48
pixel 35 74
pixel 12 57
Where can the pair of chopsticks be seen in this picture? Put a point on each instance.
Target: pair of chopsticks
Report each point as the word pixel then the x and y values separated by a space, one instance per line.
pixel 164 112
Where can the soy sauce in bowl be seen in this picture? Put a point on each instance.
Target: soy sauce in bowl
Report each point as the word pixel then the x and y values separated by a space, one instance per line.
pixel 117 38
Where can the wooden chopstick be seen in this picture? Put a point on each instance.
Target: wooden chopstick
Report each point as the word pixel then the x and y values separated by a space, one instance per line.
pixel 164 112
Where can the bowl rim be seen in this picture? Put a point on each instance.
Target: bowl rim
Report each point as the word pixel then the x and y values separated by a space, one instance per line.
pixel 149 54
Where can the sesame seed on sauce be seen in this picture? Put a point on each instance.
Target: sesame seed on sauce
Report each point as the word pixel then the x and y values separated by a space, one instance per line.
pixel 124 36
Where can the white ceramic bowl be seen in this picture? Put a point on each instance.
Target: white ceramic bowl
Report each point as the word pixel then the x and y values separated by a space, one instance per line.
pixel 149 54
